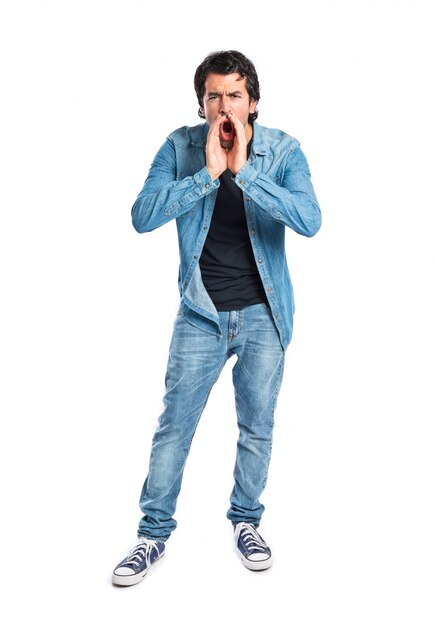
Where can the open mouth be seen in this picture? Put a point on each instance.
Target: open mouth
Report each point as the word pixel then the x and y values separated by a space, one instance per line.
pixel 226 134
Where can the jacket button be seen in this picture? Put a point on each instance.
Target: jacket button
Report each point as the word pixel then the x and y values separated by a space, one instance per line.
pixel 269 290
pixel 241 182
pixel 260 260
pixel 207 185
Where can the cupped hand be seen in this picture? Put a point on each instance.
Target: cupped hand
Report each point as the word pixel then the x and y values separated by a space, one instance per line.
pixel 216 156
pixel 237 154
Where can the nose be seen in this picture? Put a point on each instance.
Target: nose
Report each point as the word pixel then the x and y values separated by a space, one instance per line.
pixel 225 105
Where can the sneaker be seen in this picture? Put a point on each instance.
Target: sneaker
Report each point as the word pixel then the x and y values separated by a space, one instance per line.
pixel 253 550
pixel 136 565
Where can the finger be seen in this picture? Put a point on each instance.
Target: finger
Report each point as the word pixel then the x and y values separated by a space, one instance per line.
pixel 218 121
pixel 238 126
pixel 239 138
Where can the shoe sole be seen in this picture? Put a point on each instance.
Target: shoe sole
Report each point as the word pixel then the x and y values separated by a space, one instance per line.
pixel 134 579
pixel 256 566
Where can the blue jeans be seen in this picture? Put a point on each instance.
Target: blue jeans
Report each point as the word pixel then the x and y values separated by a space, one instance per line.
pixel 196 359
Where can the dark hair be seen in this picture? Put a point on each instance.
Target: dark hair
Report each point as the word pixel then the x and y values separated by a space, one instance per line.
pixel 227 62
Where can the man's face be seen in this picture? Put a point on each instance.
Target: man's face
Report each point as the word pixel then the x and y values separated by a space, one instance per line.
pixel 224 92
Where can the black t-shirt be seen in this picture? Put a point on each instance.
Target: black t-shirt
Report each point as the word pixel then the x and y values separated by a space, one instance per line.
pixel 227 263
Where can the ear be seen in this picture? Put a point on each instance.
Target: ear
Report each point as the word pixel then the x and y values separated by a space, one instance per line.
pixel 252 106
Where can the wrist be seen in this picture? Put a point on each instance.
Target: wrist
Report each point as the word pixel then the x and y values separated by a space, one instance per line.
pixel 213 174
pixel 237 167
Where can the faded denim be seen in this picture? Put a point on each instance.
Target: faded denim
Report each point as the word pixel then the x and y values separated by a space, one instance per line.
pixel 277 192
pixel 196 359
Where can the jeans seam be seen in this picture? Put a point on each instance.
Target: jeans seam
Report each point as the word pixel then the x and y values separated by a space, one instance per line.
pixel 279 382
pixel 231 337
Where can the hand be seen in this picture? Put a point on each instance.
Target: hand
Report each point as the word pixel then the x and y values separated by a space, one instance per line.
pixel 237 154
pixel 216 156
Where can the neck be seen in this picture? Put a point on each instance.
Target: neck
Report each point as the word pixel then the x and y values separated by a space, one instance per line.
pixel 248 132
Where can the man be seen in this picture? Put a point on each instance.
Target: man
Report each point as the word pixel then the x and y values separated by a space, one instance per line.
pixel 233 186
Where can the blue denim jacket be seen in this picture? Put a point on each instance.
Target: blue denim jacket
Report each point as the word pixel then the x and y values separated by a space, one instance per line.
pixel 277 192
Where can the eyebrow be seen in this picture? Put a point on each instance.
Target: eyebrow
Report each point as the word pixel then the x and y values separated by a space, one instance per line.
pixel 218 93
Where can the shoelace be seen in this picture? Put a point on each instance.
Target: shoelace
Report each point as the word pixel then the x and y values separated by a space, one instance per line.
pixel 250 537
pixel 140 552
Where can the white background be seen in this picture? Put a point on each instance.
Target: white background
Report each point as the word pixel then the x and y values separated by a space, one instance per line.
pixel 90 89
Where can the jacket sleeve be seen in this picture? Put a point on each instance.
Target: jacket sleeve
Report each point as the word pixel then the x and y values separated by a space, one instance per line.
pixel 163 197
pixel 293 203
